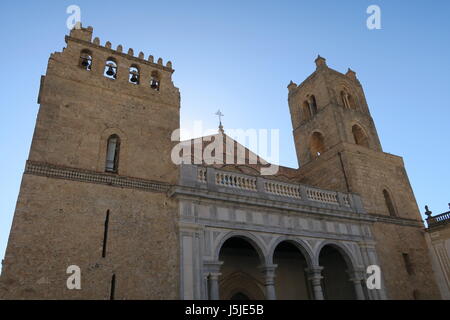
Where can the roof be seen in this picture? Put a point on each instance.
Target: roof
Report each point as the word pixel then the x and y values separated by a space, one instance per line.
pixel 234 157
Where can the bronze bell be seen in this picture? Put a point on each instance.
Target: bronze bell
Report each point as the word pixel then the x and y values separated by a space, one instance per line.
pixel 84 62
pixel 110 72
pixel 154 84
pixel 134 78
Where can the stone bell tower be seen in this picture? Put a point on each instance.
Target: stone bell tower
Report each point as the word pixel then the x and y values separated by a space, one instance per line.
pixel 338 148
pixel 93 194
pixel 329 108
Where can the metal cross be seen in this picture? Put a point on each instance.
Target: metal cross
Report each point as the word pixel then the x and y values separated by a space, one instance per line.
pixel 220 115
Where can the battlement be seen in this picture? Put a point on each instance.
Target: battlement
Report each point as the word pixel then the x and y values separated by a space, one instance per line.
pixel 84 36
pixel 321 65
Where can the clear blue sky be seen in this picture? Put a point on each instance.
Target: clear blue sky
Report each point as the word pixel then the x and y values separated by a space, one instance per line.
pixel 240 56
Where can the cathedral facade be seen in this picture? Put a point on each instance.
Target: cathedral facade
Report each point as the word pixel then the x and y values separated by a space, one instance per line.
pixel 100 192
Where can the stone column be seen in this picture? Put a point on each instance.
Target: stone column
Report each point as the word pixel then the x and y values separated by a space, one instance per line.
pixel 214 285
pixel 213 271
pixel 356 278
pixel 269 280
pixel 205 288
pixel 358 289
pixel 315 276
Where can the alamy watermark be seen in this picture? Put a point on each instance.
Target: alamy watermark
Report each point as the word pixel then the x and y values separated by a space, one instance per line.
pixel 219 148
pixel 74 280
pixel 373 281
pixel 374 20
pixel 74 20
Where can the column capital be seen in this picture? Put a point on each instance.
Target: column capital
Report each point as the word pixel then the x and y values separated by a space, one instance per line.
pixel 314 272
pixel 269 279
pixel 268 268
pixel 367 244
pixel 214 275
pixel 356 274
pixel 212 266
pixel 315 276
pixel 269 272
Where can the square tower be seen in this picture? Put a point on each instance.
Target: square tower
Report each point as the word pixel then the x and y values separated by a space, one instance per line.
pixel 338 148
pixel 93 194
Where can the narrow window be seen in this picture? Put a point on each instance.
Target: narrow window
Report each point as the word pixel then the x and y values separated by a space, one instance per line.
pixel 306 111
pixel 113 287
pixel 134 75
pixel 317 144
pixel 309 107
pixel 313 104
pixel 389 203
pixel 344 97
pixel 359 136
pixel 110 69
pixel 155 81
pixel 86 60
pixel 351 102
pixel 347 100
pixel 112 154
pixel 408 264
pixel 105 234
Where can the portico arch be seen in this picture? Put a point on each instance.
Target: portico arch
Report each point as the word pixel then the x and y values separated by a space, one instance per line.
pixel 343 250
pixel 339 277
pixel 253 240
pixel 241 258
pixel 301 245
pixel 293 262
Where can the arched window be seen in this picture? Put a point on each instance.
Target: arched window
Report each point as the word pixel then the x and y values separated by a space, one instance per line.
pixel 134 75
pixel 86 60
pixel 112 154
pixel 360 136
pixel 306 111
pixel 313 104
pixel 389 203
pixel 110 69
pixel 347 100
pixel 344 98
pixel 351 102
pixel 309 107
pixel 155 81
pixel 317 144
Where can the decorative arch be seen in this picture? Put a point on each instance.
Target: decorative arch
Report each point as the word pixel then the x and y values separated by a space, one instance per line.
pixel 316 144
pixel 360 136
pixel 241 282
pixel 301 245
pixel 348 256
pixel 254 241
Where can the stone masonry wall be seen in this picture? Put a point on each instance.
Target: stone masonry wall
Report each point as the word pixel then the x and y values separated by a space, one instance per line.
pixel 59 223
pixel 368 173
